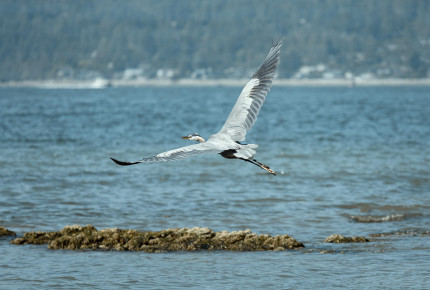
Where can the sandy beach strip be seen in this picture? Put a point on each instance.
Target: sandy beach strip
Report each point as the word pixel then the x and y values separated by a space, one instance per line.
pixel 103 83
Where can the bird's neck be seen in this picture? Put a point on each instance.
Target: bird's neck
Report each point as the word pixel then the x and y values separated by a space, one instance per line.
pixel 200 139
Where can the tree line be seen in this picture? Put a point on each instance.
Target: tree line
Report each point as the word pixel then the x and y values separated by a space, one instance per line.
pixel 222 38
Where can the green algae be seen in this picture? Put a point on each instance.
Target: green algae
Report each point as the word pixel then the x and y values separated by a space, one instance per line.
pixel 183 239
pixel 336 238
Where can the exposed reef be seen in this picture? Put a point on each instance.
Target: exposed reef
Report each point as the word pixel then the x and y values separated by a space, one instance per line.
pixel 336 238
pixel 184 239
pixel 5 232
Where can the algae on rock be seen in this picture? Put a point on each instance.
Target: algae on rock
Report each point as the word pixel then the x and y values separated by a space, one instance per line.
pixel 336 238
pixel 5 232
pixel 184 239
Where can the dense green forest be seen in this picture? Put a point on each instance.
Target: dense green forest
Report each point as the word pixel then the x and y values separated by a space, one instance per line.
pixel 82 39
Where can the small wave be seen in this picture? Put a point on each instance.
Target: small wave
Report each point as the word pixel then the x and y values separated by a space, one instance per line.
pixel 411 232
pixel 377 219
pixel 293 156
pixel 366 207
pixel 268 200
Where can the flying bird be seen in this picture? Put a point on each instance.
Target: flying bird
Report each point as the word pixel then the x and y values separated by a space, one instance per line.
pixel 244 114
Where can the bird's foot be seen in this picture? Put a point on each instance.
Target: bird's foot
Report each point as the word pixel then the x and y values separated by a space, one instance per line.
pixel 267 168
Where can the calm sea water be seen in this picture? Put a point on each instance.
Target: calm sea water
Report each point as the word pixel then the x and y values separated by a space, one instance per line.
pixel 353 161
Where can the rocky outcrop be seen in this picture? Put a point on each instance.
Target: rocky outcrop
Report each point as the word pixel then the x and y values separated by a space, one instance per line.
pixel 5 232
pixel 184 239
pixel 336 238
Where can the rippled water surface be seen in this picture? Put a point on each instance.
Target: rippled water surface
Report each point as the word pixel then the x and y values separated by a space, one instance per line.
pixel 353 161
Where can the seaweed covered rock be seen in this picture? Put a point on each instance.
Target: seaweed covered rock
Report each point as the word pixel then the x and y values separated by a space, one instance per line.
pixel 248 241
pixel 183 239
pixel 35 238
pixel 336 238
pixel 5 232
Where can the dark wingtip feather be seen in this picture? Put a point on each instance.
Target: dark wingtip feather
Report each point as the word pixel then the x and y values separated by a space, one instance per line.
pixel 122 163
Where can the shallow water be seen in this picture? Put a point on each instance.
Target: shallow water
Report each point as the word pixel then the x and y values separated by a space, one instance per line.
pixel 353 161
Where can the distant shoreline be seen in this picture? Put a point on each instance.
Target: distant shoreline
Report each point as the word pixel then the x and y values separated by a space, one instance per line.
pixel 103 83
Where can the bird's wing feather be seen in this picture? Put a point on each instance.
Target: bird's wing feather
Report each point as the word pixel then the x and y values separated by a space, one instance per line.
pixel 245 111
pixel 175 154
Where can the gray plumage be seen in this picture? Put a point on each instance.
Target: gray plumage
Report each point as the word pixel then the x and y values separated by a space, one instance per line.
pixel 238 123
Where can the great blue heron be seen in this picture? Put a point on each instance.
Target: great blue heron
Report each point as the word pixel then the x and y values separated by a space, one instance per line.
pixel 244 114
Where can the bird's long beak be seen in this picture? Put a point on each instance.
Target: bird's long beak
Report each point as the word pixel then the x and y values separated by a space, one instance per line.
pixel 185 137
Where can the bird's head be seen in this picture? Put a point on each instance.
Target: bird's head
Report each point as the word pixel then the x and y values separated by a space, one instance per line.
pixel 194 137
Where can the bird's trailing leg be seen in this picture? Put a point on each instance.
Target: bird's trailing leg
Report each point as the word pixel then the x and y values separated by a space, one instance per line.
pixel 261 165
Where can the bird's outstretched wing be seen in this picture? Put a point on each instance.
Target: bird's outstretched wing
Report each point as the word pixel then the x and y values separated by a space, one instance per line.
pixel 245 111
pixel 175 154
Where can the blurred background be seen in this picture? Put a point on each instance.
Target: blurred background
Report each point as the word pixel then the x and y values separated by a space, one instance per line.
pixel 202 39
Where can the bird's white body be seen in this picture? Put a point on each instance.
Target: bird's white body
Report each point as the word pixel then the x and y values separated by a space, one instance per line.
pixel 221 143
